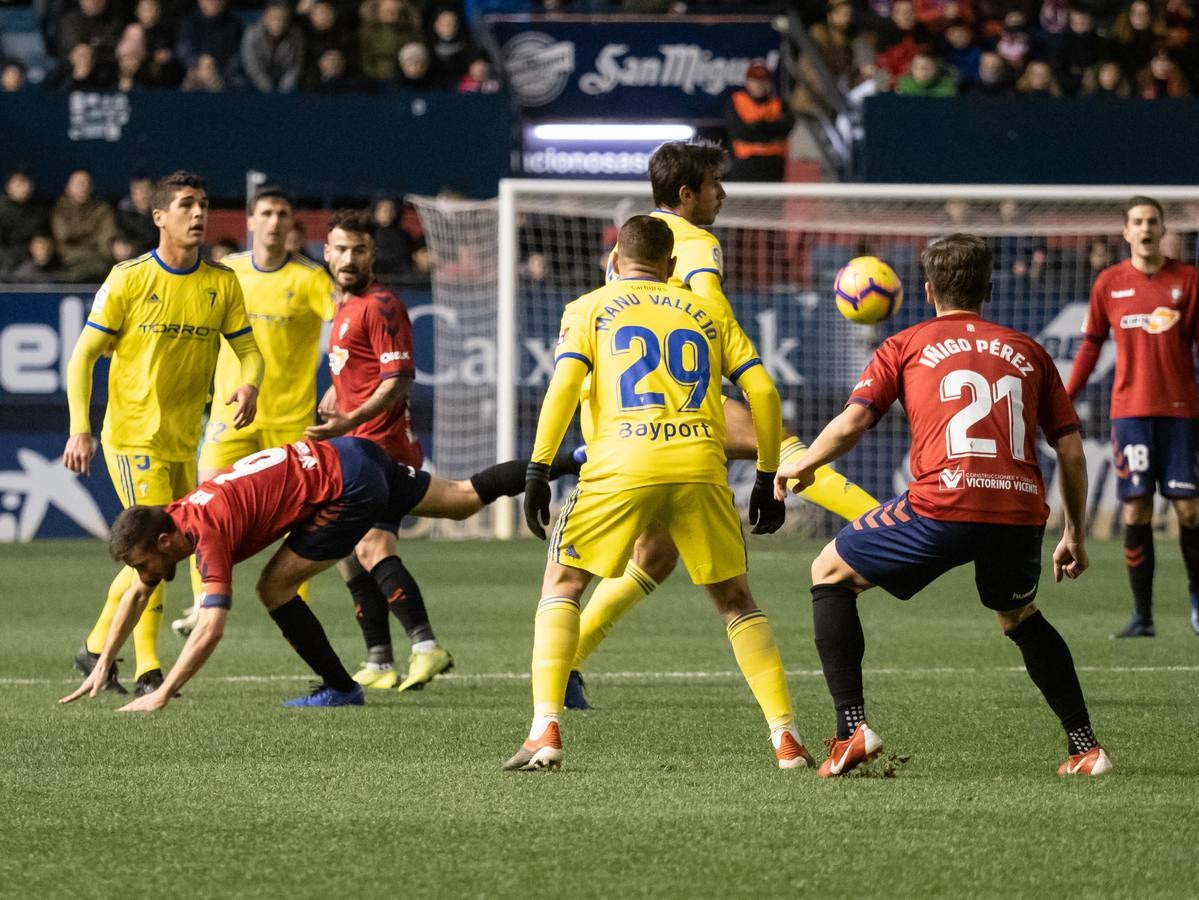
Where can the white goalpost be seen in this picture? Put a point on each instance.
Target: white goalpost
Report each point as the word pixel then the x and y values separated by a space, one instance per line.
pixel 507 267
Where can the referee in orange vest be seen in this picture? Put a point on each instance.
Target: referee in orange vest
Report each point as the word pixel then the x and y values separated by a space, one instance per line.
pixel 759 123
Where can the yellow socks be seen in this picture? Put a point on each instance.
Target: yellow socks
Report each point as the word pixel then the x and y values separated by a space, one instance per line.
pixel 831 490
pixel 758 658
pixel 145 633
pixel 116 590
pixel 612 598
pixel 555 637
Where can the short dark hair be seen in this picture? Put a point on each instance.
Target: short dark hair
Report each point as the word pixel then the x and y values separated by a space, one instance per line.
pixel 680 163
pixel 645 239
pixel 959 268
pixel 138 527
pixel 1141 200
pixel 168 186
pixel 359 221
pixel 267 192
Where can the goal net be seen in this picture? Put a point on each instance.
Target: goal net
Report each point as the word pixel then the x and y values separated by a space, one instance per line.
pixel 546 242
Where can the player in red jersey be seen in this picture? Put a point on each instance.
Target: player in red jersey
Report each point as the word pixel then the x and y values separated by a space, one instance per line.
pixel 370 356
pixel 975 394
pixel 324 496
pixel 1151 305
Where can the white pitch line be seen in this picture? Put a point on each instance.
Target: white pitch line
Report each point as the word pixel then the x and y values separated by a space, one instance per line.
pixel 647 676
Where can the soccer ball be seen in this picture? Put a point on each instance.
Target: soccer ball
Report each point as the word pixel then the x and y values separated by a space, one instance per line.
pixel 868 290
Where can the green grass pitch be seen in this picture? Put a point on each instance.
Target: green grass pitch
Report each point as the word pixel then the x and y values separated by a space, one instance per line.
pixel 669 787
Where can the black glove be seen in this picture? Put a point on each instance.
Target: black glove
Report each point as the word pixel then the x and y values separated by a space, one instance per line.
pixel 537 498
pixel 765 513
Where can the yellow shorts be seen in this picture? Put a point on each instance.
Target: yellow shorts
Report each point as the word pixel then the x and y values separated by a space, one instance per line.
pixel 143 479
pixel 596 532
pixel 224 445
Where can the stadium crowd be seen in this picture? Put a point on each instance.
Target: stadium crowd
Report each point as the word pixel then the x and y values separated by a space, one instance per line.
pixel 1055 48
pixel 326 46
pixel 79 236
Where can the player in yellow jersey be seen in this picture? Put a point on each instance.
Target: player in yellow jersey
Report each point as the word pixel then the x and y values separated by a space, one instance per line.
pixel 288 296
pixel 162 316
pixel 655 354
pixel 687 191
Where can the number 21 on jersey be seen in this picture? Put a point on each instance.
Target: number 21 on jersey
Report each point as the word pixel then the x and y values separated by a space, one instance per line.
pixel 958 440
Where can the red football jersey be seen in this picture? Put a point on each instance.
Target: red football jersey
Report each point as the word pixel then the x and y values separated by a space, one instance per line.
pixel 371 340
pixel 252 504
pixel 1154 318
pixel 974 393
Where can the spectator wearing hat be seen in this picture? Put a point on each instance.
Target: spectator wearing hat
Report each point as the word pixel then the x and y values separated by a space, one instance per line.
pixel 759 124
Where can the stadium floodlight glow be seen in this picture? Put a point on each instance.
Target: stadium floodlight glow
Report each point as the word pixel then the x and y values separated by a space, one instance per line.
pixel 612 131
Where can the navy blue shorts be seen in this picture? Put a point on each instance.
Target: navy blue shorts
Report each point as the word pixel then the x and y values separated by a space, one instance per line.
pixel 374 489
pixel 1156 452
pixel 903 553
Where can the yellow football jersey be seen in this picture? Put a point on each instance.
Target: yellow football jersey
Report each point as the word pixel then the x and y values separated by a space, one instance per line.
pixel 286 307
pixel 657 353
pixel 167 326
pixel 696 250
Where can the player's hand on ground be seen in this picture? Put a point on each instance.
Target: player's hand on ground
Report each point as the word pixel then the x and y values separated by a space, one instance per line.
pixel 91 687
pixel 537 498
pixel 246 398
pixel 151 702
pixel 335 425
pixel 79 452
pixel 767 511
pixel 788 472
pixel 1069 559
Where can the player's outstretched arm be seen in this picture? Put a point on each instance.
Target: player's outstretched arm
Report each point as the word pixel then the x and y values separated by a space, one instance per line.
pixel 1070 556
pixel 129 610
pixel 81 446
pixel 200 644
pixel 838 437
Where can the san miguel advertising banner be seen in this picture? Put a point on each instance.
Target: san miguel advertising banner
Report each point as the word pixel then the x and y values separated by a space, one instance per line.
pixel 630 67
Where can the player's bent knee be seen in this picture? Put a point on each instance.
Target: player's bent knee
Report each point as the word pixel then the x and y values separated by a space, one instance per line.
pixel 376 545
pixel 1010 619
pixel 1188 512
pixel 732 597
pixel 1138 511
pixel 829 568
